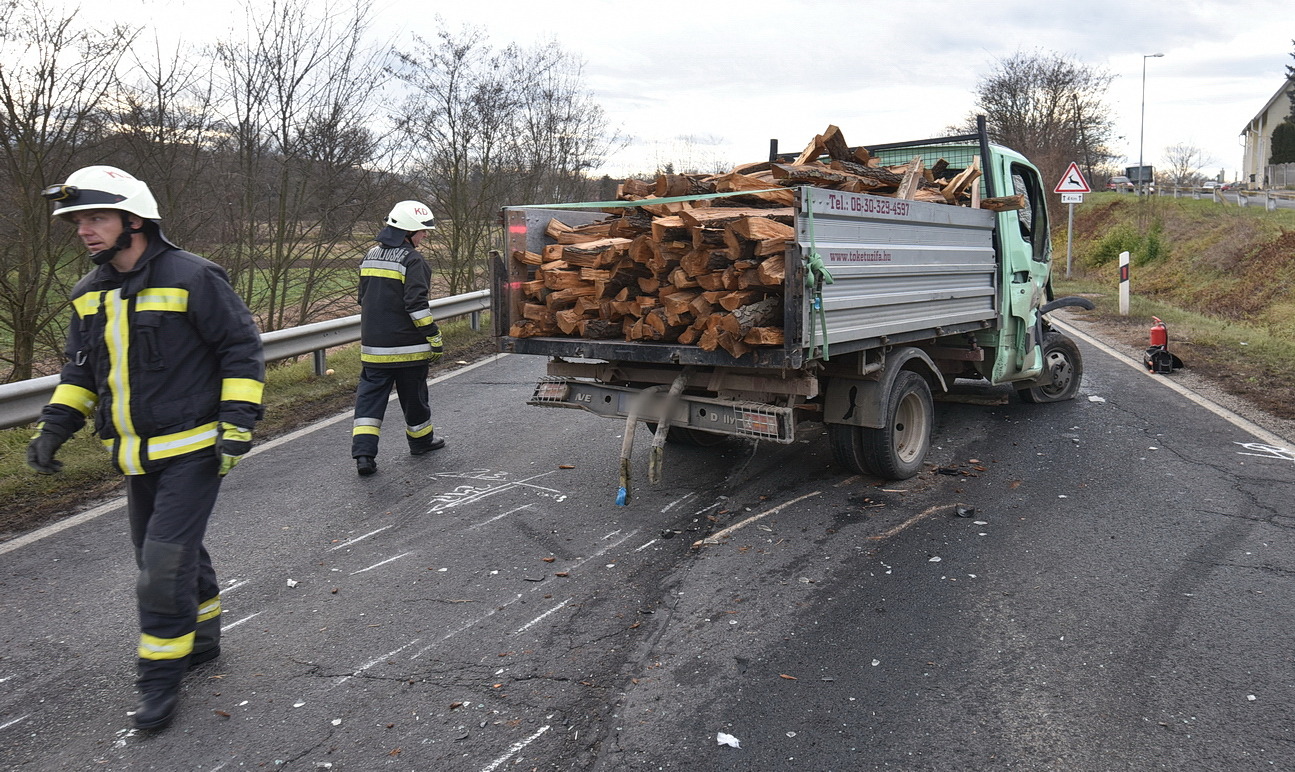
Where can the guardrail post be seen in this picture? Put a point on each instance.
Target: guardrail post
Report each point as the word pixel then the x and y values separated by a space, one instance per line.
pixel 474 321
pixel 321 362
pixel 1270 203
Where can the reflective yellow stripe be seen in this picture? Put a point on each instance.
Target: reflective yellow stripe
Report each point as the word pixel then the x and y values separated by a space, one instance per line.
pixel 426 321
pixel 162 299
pixel 152 647
pixel 75 397
pixel 88 304
pixel 358 430
pixel 242 390
pixel 383 273
pixel 116 334
pixel 209 609
pixel 169 445
pixel 380 358
pixel 419 431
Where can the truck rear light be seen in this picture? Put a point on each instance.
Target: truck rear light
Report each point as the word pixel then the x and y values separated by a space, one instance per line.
pixel 550 391
pixel 757 424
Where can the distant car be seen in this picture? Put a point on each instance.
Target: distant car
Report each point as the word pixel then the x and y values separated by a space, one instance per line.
pixel 1121 184
pixel 1209 185
pixel 1234 185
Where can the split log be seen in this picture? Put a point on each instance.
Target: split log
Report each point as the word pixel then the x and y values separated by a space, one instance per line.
pixel 965 179
pixel 911 177
pixel 527 258
pixel 735 183
pixel 764 336
pixel 1003 203
pixel 599 329
pixel 718 217
pixel 759 314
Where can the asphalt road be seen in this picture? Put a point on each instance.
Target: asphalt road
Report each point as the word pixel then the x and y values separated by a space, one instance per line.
pixel 1118 600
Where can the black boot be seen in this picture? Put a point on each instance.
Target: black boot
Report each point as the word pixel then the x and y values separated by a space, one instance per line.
pixel 199 657
pixel 425 445
pixel 365 465
pixel 157 707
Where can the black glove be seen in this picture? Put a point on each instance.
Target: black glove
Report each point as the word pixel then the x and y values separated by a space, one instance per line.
pixel 232 443
pixel 40 453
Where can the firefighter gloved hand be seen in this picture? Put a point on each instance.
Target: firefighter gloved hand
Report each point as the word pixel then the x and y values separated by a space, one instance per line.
pixel 434 340
pixel 41 450
pixel 232 443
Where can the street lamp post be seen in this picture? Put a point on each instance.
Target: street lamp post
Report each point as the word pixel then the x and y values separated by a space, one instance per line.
pixel 1142 125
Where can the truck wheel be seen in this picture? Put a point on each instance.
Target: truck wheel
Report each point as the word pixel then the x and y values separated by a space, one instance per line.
pixel 1060 358
pixel 896 451
pixel 686 435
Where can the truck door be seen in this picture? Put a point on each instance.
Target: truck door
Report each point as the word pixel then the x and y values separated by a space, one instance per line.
pixel 1027 261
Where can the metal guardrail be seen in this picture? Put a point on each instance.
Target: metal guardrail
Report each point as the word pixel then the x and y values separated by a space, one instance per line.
pixel 22 401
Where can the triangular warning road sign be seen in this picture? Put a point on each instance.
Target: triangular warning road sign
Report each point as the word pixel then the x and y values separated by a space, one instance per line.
pixel 1072 181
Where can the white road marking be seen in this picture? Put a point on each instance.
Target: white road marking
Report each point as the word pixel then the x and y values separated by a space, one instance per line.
pixel 1167 382
pixel 715 537
pixel 373 662
pixel 514 750
pixel 645 546
pixel 499 517
pixel 680 500
pixel 537 619
pixel 360 538
pixel 467 494
pixel 382 563
pixel 8 724
pixel 233 587
pixel 112 506
pixel 241 621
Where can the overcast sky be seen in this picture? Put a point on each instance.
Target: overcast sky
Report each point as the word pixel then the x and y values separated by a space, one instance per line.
pixel 733 74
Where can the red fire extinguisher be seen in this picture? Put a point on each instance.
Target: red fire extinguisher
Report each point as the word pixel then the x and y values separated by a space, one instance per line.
pixel 1159 333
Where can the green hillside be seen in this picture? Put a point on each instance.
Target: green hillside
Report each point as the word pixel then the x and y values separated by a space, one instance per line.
pixel 1221 276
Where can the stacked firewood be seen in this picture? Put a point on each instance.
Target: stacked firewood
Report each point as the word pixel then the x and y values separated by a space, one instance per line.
pixel 707 272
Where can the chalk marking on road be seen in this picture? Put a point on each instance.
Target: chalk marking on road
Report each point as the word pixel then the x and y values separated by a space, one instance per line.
pixel 6 678
pixel 607 547
pixel 715 537
pixel 241 621
pixel 919 517
pixel 473 623
pixel 499 517
pixel 677 501
pixel 1218 410
pixel 539 618
pixel 649 543
pixel 716 505
pixel 613 533
pixel 112 506
pixel 233 586
pixel 514 750
pixel 373 662
pixel 1267 451
pixel 10 723
pixel 467 494
pixel 382 563
pixel 360 538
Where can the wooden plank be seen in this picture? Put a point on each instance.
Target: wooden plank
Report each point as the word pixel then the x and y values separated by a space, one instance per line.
pixel 912 175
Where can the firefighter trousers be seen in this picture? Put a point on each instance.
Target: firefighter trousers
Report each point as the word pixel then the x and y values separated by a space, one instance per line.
pixel 371 397
pixel 179 600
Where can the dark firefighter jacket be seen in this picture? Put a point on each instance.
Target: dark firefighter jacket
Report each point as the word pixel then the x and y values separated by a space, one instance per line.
pixel 394 318
pixel 158 355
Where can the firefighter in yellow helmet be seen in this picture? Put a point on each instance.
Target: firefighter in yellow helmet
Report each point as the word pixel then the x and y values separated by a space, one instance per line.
pixel 166 359
pixel 398 336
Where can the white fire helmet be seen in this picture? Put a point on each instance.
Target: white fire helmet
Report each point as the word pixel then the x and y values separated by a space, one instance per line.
pixel 411 216
pixel 102 187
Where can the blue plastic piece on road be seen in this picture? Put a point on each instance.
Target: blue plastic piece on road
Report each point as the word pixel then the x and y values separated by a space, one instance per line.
pixel 622 497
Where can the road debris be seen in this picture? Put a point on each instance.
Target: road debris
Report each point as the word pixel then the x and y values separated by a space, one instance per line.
pixel 727 739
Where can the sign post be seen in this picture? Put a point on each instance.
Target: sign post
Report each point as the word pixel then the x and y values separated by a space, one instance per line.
pixel 1124 284
pixel 1072 188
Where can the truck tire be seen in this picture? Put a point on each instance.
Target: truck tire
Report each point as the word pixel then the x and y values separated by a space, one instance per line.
pixel 897 450
pixel 1061 358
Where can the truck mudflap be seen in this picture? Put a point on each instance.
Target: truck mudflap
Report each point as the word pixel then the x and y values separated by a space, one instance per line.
pixel 755 420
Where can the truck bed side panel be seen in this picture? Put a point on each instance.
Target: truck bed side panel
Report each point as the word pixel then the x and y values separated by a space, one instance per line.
pixel 898 266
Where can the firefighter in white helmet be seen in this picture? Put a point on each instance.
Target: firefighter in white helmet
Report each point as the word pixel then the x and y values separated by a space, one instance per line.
pixel 166 358
pixel 399 338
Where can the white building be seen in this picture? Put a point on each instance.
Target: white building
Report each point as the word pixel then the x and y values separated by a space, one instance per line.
pixel 1258 135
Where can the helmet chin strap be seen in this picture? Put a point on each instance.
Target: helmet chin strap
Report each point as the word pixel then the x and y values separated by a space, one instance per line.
pixel 123 242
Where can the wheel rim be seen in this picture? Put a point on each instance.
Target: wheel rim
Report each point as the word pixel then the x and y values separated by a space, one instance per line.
pixel 1062 373
pixel 909 430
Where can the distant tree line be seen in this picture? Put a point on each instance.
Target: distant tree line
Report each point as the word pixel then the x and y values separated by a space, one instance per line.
pixel 277 152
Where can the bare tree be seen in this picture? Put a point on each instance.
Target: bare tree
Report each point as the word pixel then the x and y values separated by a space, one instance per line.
pixel 490 127
pixel 54 78
pixel 1185 163
pixel 298 96
pixel 1050 108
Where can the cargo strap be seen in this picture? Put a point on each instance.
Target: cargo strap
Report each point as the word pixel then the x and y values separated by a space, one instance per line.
pixel 816 275
pixel 645 201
